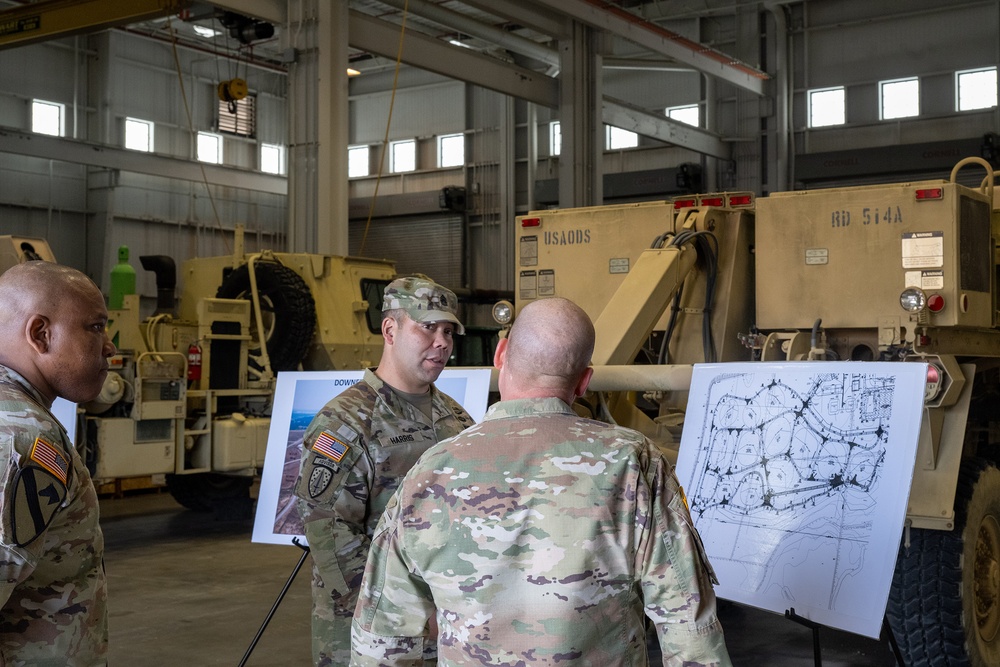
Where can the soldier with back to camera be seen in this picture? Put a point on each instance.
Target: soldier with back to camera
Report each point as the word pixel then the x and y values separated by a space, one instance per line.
pixel 539 537
pixel 359 446
pixel 52 582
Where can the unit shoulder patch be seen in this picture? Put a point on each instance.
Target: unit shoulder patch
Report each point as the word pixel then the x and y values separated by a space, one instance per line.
pixel 38 495
pixel 319 480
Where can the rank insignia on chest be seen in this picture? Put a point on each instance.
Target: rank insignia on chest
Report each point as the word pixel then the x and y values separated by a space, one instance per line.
pixel 330 447
pixel 47 456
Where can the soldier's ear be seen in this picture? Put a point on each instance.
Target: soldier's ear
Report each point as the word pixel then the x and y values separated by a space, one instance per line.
pixel 388 329
pixel 583 382
pixel 38 332
pixel 500 355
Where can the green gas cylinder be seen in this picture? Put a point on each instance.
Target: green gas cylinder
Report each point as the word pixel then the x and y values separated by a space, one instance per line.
pixel 122 280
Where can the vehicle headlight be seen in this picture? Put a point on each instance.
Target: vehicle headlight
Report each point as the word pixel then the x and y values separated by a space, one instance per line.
pixel 503 312
pixel 913 299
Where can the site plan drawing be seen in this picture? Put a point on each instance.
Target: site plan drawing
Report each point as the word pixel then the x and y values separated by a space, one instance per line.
pixel 797 475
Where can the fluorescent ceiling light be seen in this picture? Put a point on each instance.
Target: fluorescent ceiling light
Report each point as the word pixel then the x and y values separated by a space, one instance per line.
pixel 202 31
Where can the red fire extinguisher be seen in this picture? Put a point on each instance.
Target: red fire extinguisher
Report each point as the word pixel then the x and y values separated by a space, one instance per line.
pixel 194 362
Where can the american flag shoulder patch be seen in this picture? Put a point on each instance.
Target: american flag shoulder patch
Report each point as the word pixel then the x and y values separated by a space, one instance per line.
pixel 330 447
pixel 47 456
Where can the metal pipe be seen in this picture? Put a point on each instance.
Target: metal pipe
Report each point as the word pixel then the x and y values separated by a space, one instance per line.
pixel 631 378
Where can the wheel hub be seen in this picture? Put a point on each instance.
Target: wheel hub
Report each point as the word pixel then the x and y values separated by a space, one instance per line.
pixel 987 579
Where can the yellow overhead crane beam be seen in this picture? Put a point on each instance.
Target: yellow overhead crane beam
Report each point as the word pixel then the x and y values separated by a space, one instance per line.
pixel 50 19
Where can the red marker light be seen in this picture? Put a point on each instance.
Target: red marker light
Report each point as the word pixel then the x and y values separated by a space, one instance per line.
pixel 930 194
pixel 713 201
pixel 741 200
pixel 685 203
pixel 531 222
pixel 935 303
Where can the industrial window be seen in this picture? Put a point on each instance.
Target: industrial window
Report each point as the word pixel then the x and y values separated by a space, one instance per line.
pixel 689 114
pixel 48 118
pixel 138 135
pixel 358 161
pixel 976 89
pixel 209 147
pixel 403 155
pixel 826 107
pixel 239 117
pixel 451 150
pixel 899 98
pixel 272 158
pixel 616 138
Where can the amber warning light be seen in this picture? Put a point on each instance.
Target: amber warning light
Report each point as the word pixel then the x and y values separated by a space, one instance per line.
pixel 531 222
pixel 929 194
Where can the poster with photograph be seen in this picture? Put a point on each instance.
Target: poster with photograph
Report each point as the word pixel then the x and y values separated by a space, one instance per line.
pixel 297 399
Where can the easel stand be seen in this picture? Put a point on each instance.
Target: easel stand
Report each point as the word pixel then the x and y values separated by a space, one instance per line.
pixel 792 616
pixel 277 602
pixel 817 657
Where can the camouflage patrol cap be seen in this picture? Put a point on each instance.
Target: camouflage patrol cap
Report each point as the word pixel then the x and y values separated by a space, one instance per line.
pixel 423 300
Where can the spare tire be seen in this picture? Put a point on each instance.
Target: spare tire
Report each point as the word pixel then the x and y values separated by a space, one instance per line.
pixel 288 311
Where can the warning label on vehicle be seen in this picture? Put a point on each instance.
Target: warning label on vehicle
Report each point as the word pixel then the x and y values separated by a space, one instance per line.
pixel 923 250
pixel 528 285
pixel 547 282
pixel 528 251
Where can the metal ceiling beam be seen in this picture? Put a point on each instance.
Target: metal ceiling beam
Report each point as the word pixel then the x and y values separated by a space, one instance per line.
pixel 628 117
pixel 377 83
pixel 97 155
pixel 641 64
pixel 50 19
pixel 370 34
pixel 473 28
pixel 272 11
pixel 527 14
pixel 625 25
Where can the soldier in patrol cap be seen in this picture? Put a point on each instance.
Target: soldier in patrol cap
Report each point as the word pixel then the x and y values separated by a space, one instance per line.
pixel 52 583
pixel 359 446
pixel 539 537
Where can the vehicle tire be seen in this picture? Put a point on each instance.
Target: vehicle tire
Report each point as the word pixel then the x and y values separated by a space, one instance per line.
pixel 228 496
pixel 287 310
pixel 944 605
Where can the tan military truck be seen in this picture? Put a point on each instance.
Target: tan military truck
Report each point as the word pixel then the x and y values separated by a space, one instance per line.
pixel 190 392
pixel 895 273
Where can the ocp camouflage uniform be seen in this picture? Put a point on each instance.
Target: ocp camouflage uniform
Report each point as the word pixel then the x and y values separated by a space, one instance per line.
pixel 52 582
pixel 538 538
pixel 356 451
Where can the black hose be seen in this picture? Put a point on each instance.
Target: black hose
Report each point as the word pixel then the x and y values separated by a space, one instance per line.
pixel 814 338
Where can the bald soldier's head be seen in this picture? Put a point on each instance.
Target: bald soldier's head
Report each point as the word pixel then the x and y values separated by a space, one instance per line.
pixel 53 330
pixel 547 352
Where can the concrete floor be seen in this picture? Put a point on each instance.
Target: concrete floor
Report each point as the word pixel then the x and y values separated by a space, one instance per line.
pixel 186 590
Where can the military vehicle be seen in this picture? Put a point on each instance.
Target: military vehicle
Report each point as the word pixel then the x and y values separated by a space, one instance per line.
pixel 189 394
pixel 899 273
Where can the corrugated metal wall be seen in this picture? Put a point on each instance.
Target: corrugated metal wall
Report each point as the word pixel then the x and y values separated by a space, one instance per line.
pixel 432 246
